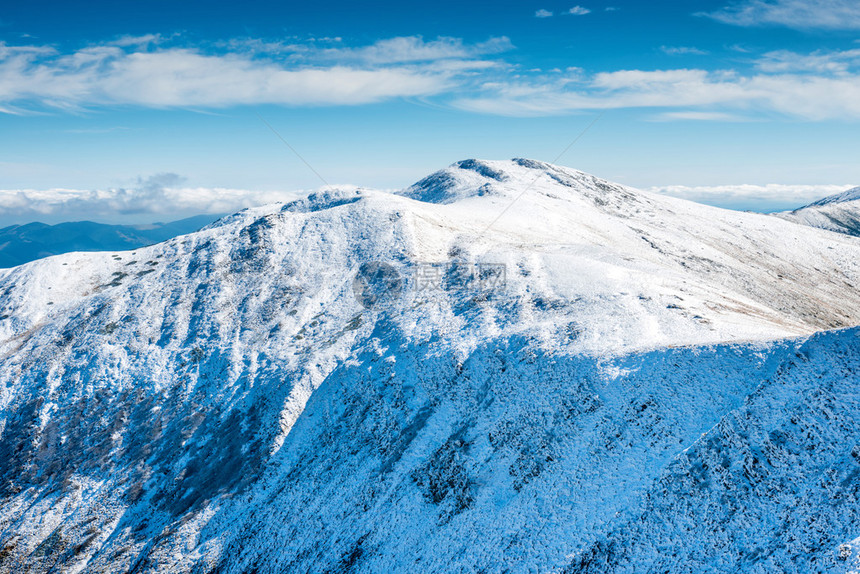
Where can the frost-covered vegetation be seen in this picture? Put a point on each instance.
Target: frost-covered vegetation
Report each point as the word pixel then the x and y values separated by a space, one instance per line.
pixel 655 386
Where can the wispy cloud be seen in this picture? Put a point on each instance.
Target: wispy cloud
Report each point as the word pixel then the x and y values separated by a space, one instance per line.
pixel 140 71
pixel 143 40
pixel 799 14
pixel 152 72
pixel 839 63
pixel 682 51
pixel 813 96
pixel 701 116
pixel 578 11
pixel 158 196
pixel 543 13
pixel 415 49
pixel 166 197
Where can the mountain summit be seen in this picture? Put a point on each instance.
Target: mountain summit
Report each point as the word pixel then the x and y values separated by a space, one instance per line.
pixel 852 194
pixel 477 178
pixel 839 212
pixel 508 365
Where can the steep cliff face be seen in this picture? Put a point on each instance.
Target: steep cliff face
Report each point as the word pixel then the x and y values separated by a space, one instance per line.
pixel 773 487
pixel 373 381
pixel 725 457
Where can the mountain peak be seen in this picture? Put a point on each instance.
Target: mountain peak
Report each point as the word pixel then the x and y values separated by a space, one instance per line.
pixel 839 213
pixel 852 194
pixel 325 199
pixel 507 178
pixel 467 178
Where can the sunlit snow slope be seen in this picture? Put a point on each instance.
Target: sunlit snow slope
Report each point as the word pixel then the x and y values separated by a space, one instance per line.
pixel 643 391
pixel 840 213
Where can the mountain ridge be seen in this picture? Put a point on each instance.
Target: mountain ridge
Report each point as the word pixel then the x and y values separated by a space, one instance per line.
pixel 839 212
pixel 227 401
pixel 852 194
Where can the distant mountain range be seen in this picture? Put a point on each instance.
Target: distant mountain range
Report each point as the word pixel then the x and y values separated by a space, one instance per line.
pixel 23 243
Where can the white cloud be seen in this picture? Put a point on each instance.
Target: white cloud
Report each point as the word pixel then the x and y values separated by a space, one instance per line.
pixel 836 63
pixel 166 197
pixel 740 48
pixel 161 196
pixel 701 116
pixel 808 96
pixel 800 14
pixel 682 51
pixel 816 86
pixel 753 197
pixel 132 71
pixel 543 13
pixel 142 40
pixel 578 11
pixel 415 49
pixel 260 47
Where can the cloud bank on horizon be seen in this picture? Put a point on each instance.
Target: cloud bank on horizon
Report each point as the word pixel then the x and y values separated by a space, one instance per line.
pixel 166 196
pixel 157 197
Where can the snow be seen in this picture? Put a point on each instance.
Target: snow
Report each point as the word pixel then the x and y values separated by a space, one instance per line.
pixel 852 194
pixel 840 213
pixel 224 400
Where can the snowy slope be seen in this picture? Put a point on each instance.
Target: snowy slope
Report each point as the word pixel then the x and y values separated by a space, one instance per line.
pixel 774 486
pixel 840 213
pixel 223 400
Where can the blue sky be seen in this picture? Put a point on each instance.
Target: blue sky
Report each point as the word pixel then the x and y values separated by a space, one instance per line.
pixel 140 111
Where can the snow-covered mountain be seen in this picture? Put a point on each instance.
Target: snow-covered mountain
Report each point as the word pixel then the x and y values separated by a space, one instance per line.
pixel 507 366
pixel 840 213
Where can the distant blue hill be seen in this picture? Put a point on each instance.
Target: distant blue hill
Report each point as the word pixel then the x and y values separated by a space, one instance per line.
pixel 23 243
